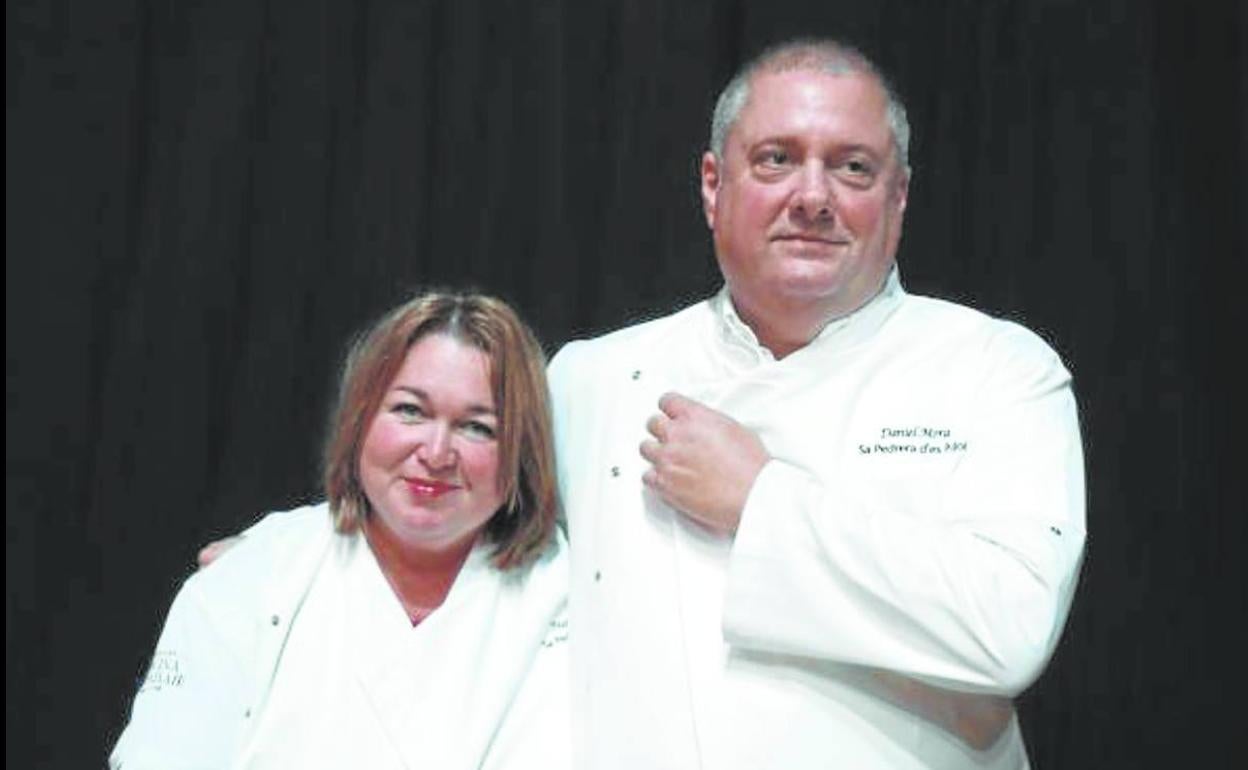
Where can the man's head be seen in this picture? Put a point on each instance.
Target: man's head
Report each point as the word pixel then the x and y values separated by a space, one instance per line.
pixel 805 187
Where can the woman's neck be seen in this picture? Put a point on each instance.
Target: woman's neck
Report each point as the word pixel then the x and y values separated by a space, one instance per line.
pixel 420 579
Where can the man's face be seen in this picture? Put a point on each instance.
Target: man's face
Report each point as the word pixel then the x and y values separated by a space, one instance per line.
pixel 806 205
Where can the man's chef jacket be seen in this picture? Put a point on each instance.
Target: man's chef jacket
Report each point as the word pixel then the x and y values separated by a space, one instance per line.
pixel 906 557
pixel 292 651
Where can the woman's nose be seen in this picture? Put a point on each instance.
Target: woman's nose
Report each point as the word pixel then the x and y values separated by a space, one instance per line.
pixel 437 451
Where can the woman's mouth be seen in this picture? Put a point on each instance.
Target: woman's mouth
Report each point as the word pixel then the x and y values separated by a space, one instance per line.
pixel 429 488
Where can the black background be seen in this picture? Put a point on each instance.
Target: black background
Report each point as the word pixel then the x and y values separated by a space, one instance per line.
pixel 205 199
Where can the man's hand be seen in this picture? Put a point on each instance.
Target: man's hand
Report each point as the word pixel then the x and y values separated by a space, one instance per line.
pixel 209 553
pixel 979 720
pixel 703 462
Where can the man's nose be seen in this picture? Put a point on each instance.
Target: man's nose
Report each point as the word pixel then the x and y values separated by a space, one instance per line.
pixel 437 450
pixel 813 197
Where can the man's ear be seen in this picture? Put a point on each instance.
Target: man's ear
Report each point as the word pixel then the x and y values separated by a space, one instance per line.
pixel 710 173
pixel 901 193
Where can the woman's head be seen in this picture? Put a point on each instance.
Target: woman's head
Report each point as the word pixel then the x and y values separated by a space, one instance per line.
pixel 443 426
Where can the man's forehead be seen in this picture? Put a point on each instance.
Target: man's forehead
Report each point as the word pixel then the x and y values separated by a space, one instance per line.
pixel 837 87
pixel 810 95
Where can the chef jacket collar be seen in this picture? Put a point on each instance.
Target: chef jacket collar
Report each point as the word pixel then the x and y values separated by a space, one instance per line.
pixel 839 332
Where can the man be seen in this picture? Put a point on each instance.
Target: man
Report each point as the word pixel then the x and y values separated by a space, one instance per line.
pixel 815 521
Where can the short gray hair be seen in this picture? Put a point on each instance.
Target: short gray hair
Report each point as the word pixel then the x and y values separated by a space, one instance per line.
pixel 830 56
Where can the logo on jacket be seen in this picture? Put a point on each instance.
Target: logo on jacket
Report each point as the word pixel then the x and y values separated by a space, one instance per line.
pixel 165 671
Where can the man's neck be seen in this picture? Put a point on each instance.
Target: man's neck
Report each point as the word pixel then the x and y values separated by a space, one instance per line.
pixel 785 330
pixel 783 339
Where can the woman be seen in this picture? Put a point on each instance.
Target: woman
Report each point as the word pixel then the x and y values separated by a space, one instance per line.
pixel 416 618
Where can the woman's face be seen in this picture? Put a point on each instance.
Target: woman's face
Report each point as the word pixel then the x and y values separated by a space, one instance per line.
pixel 429 463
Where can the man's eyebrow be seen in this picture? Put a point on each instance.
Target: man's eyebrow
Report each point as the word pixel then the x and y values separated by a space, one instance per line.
pixel 790 139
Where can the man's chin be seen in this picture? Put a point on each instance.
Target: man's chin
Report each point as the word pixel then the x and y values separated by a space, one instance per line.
pixel 811 279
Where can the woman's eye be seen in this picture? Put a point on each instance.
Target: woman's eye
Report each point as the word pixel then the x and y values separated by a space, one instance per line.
pixel 408 411
pixel 479 429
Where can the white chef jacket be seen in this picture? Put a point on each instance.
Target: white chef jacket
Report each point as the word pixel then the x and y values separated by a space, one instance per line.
pixel 292 651
pixel 921 519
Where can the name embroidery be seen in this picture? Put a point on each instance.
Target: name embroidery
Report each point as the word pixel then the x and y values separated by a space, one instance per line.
pixel 556 632
pixel 917 440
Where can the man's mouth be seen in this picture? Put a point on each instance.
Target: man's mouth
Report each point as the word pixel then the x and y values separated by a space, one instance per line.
pixel 812 238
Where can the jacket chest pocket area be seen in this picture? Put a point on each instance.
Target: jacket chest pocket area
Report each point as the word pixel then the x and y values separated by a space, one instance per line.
pixel 904 465
pixel 918 450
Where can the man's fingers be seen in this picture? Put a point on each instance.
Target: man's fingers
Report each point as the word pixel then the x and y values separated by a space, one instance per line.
pixel 650 478
pixel 650 450
pixel 208 554
pixel 211 552
pixel 658 426
pixel 673 404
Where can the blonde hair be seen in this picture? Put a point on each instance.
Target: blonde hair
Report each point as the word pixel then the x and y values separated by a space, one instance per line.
pixel 521 529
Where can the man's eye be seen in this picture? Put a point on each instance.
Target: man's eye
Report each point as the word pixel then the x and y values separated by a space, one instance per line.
pixel 858 167
pixel 775 158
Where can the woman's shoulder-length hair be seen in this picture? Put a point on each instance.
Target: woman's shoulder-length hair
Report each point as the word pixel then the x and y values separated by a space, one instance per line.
pixel 521 529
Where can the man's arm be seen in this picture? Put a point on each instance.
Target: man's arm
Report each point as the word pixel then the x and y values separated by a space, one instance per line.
pixel 970 589
pixel 966 594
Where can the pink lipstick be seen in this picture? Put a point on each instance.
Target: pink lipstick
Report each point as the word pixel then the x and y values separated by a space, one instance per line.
pixel 429 488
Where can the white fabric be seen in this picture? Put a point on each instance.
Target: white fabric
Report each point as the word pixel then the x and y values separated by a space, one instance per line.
pixel 923 515
pixel 292 651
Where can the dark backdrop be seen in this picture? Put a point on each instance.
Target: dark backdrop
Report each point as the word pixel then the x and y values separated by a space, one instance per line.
pixel 205 199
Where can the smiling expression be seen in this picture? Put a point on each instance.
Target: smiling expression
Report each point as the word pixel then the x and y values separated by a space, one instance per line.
pixel 806 204
pixel 429 461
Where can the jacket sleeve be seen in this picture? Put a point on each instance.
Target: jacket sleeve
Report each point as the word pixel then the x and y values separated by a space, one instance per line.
pixel 189 708
pixel 969 589
pixel 568 396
